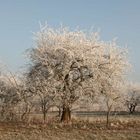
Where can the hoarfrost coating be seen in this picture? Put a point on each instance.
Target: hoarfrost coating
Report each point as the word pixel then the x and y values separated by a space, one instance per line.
pixel 70 65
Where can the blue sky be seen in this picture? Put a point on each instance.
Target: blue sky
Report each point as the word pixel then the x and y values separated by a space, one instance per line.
pixel 114 18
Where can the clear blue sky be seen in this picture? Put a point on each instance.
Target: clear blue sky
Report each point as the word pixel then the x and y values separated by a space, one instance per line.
pixel 115 18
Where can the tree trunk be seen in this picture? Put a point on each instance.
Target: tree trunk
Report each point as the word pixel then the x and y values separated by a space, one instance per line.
pixel 44 116
pixel 44 111
pixel 66 115
pixel 25 113
pixel 134 107
pixel 108 115
pixel 107 119
pixel 59 112
pixel 131 109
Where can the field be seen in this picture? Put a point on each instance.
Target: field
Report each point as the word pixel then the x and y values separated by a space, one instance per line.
pixel 81 128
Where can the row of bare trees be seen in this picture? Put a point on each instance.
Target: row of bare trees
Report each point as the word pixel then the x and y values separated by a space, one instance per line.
pixel 67 68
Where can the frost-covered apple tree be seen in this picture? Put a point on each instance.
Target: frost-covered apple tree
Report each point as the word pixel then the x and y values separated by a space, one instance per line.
pixel 73 65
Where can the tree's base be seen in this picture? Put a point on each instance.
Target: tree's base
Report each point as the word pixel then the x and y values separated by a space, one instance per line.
pixel 66 115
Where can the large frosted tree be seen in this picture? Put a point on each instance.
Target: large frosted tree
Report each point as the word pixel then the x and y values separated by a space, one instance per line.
pixel 73 65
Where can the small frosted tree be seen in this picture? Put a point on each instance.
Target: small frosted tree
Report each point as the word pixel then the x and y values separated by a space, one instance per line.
pixel 112 76
pixel 14 97
pixel 132 97
pixel 77 64
pixel 9 97
pixel 41 87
